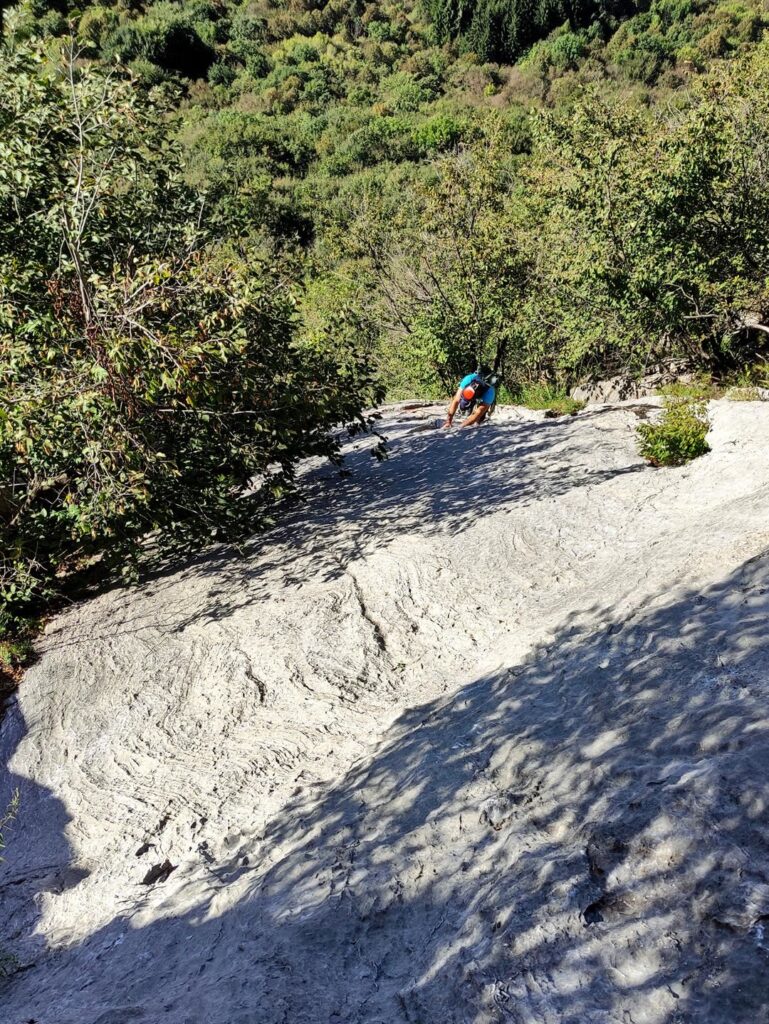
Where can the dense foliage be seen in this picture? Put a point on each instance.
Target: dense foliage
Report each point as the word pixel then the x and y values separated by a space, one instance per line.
pixel 148 371
pixel 218 219
pixel 446 271
pixel 648 239
pixel 679 435
pixel 290 101
pixel 627 238
pixel 504 29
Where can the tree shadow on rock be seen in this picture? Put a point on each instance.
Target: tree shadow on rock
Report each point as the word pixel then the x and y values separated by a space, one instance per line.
pixel 436 483
pixel 588 830
pixel 580 838
pixel 37 862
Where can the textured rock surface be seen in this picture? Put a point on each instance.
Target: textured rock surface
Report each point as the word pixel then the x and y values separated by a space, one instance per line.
pixel 480 735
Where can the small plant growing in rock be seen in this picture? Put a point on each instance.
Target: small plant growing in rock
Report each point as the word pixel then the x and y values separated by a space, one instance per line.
pixel 553 400
pixel 750 384
pixel 743 394
pixel 680 434
pixel 9 962
pixel 16 653
pixel 8 816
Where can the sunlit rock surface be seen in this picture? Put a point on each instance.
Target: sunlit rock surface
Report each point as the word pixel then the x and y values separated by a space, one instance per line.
pixel 480 734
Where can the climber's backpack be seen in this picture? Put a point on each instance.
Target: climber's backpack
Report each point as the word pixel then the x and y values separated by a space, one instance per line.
pixel 473 393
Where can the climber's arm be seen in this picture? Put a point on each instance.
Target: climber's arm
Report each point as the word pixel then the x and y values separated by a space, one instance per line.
pixel 477 416
pixel 452 410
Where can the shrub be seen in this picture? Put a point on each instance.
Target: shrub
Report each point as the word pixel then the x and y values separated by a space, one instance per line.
pixel 246 26
pixel 383 138
pixel 550 397
pixel 689 56
pixel 165 37
pixel 381 31
pixel 403 93
pixel 680 434
pixel 148 374
pixel 95 23
pixel 752 376
pixel 147 73
pixel 645 58
pixel 221 74
pixel 441 132
pixel 566 50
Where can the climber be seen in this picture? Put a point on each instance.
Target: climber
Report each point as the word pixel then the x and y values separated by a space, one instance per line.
pixel 475 396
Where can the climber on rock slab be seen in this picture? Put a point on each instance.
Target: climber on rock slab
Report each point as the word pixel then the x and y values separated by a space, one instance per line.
pixel 475 397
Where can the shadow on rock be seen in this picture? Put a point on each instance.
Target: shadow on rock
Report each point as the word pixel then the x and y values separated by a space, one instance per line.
pixel 37 862
pixel 439 483
pixel 579 839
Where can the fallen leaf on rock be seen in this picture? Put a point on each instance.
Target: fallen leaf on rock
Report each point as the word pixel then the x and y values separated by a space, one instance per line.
pixel 158 873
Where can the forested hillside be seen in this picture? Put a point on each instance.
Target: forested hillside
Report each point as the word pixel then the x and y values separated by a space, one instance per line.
pixel 227 227
pixel 502 150
pixel 363 719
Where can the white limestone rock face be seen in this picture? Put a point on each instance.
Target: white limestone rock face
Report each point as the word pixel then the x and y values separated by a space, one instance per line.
pixel 480 734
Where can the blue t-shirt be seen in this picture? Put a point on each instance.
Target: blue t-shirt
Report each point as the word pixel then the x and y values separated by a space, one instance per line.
pixel 485 397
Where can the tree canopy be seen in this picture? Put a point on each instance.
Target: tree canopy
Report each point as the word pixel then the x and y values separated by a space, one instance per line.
pixel 227 228
pixel 152 380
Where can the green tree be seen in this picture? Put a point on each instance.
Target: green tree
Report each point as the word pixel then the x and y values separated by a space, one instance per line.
pixel 447 268
pixel 646 229
pixel 504 29
pixel 151 377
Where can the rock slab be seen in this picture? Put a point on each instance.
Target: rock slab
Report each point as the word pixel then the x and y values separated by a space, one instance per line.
pixel 479 735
